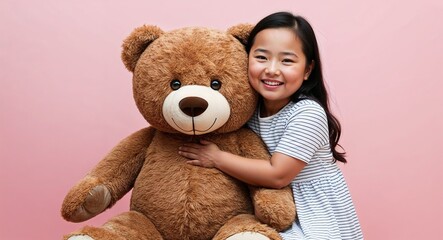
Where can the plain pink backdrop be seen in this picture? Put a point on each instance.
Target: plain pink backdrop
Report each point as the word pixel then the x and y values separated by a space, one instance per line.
pixel 66 99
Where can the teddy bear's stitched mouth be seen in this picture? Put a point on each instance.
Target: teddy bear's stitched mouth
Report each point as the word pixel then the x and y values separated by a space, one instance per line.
pixel 194 130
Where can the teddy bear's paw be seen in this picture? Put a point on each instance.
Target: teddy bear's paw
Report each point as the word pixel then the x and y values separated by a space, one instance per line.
pixel 80 237
pixel 248 236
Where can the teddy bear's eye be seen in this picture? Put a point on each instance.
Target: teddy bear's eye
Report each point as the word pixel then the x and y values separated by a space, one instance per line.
pixel 215 84
pixel 175 84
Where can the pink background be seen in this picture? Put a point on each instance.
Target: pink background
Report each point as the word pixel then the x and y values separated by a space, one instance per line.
pixel 66 99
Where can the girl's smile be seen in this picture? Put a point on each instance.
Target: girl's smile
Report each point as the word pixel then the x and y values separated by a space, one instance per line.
pixel 271 84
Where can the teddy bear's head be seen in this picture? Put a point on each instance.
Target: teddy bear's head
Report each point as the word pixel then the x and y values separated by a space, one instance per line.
pixel 191 80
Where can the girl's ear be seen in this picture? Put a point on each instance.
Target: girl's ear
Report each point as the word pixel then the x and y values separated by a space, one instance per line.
pixel 136 43
pixel 309 69
pixel 241 32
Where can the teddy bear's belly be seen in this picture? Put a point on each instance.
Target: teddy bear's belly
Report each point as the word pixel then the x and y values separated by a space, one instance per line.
pixel 183 201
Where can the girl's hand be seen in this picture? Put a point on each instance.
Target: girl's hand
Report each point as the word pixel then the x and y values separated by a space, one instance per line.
pixel 204 154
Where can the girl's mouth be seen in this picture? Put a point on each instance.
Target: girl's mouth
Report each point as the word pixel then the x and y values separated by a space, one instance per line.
pixel 272 83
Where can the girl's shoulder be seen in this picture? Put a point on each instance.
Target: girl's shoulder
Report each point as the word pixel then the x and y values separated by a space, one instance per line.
pixel 306 110
pixel 304 105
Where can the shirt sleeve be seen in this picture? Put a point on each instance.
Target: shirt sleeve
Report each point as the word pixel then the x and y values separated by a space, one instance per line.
pixel 305 133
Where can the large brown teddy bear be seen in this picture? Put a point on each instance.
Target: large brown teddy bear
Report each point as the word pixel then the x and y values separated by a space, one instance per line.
pixel 189 83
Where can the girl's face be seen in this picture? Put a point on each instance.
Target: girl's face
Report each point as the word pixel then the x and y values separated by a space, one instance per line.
pixel 277 66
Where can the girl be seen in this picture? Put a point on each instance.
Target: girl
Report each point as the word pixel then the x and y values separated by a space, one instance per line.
pixel 294 120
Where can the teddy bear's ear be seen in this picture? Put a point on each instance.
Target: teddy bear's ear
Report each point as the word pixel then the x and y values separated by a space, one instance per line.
pixel 241 32
pixel 136 43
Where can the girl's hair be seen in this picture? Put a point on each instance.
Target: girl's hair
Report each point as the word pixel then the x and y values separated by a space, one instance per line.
pixel 313 88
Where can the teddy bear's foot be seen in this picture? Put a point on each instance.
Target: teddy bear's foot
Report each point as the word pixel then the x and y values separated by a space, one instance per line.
pixel 129 225
pixel 80 237
pixel 246 227
pixel 248 236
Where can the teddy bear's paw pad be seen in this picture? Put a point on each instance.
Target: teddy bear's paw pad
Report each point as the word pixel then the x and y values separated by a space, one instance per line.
pixel 248 236
pixel 80 237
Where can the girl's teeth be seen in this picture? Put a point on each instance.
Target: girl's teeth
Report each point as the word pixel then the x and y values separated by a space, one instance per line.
pixel 272 83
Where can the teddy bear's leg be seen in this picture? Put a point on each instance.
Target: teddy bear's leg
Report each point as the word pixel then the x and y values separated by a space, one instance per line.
pixel 248 236
pixel 128 225
pixel 246 227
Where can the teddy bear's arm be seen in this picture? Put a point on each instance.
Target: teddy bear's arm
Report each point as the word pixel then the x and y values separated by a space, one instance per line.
pixel 274 207
pixel 110 179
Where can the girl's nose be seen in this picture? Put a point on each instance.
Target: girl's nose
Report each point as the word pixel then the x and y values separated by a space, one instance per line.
pixel 273 69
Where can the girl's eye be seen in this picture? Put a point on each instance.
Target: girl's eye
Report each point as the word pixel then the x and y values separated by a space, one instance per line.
pixel 287 60
pixel 260 57
pixel 175 84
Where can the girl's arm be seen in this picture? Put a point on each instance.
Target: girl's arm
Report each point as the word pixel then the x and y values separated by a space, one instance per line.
pixel 276 173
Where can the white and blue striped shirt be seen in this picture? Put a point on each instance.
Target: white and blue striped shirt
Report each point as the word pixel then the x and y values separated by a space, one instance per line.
pixel 324 206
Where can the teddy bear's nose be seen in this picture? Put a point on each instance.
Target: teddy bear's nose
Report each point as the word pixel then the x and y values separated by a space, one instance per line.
pixel 193 106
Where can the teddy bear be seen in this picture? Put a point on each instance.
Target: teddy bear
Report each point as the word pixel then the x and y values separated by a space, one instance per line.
pixel 189 84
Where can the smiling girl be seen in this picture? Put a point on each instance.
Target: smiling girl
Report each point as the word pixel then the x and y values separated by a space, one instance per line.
pixel 294 120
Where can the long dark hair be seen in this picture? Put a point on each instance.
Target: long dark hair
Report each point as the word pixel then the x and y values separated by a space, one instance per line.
pixel 314 88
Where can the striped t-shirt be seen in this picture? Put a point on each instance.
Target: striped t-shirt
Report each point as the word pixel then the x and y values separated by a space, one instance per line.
pixel 324 205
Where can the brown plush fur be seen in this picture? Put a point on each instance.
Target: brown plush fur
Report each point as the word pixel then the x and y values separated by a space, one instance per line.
pixel 172 199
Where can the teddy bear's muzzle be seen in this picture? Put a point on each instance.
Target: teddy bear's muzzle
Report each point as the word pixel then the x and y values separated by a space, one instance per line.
pixel 196 109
